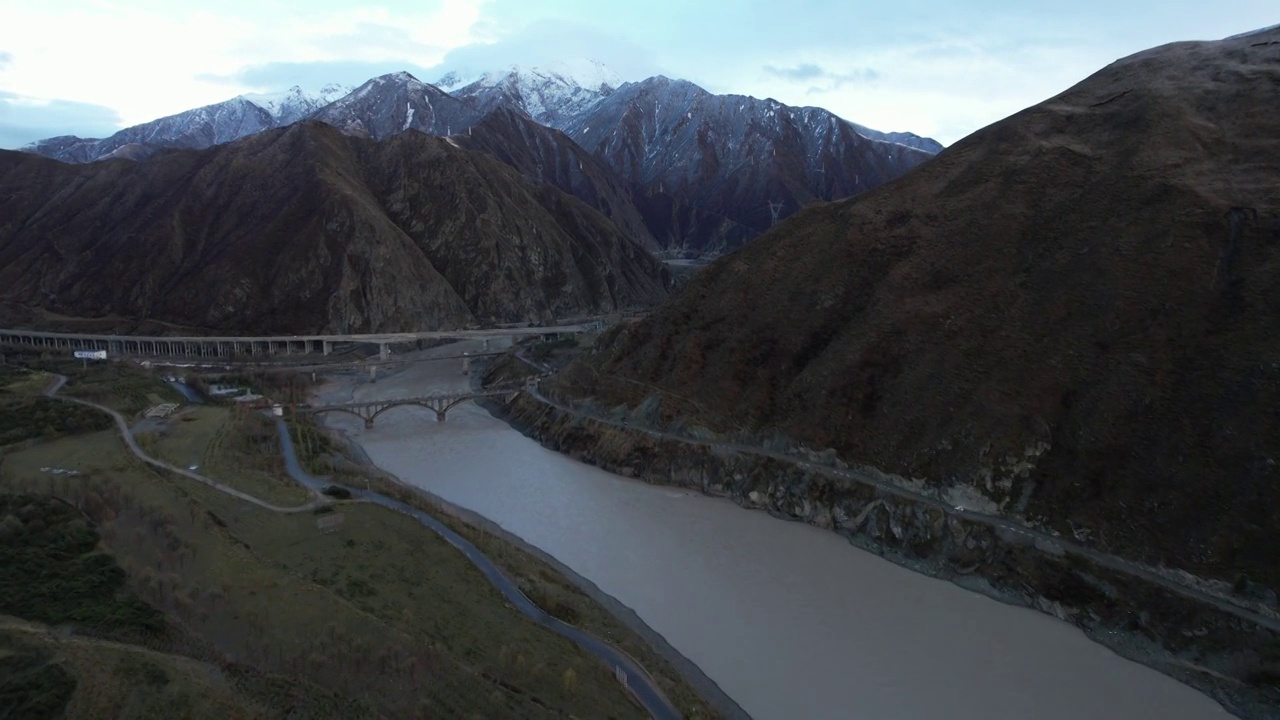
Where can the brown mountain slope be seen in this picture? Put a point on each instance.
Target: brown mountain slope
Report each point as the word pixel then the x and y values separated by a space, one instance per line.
pixel 1074 311
pixel 543 154
pixel 303 229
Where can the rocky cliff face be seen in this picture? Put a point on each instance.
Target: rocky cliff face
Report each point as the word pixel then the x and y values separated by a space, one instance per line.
pixel 1235 661
pixel 391 104
pixel 304 230
pixel 1070 314
pixel 713 171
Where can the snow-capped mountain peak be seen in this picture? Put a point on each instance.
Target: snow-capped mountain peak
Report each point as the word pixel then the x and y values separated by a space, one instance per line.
pixel 393 103
pixel 583 73
pixel 450 81
pixel 587 74
pixel 294 104
pixel 402 77
pixel 550 94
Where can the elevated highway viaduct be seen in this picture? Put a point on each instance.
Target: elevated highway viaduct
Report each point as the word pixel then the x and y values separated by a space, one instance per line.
pixel 231 346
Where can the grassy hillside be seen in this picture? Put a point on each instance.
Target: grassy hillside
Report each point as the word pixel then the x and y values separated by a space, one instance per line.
pixel 134 593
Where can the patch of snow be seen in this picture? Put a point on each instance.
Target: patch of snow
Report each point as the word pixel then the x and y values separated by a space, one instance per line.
pixel 550 94
pixel 296 103
pixel 408 118
pixel 1251 33
pixel 450 81
pixel 585 73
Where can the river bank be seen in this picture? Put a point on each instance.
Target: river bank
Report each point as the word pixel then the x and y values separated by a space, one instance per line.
pixel 786 618
pixel 690 673
pixel 1202 646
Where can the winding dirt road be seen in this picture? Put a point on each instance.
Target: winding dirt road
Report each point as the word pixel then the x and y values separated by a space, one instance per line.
pixel 123 426
pixel 638 681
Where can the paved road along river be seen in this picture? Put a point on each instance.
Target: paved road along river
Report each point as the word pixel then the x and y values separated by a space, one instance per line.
pixel 790 620
pixel 641 685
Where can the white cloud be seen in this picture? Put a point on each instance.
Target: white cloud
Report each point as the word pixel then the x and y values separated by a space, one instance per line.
pixel 148 63
pixel 24 119
pixel 942 89
pixel 547 42
pixel 933 69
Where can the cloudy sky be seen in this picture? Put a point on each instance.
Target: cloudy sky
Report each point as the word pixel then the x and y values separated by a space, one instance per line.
pixel 935 67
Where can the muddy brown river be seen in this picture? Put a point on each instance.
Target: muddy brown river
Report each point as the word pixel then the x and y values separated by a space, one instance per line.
pixel 791 621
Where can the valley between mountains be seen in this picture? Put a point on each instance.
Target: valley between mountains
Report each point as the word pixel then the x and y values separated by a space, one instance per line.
pixel 1041 363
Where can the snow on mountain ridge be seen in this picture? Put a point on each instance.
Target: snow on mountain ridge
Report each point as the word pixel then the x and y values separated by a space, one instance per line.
pixel 390 104
pixel 566 96
pixel 1252 33
pixel 583 73
pixel 294 104
pixel 553 94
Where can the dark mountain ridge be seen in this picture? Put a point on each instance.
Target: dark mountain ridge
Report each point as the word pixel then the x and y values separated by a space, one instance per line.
pixel 546 155
pixel 713 171
pixel 304 230
pixel 702 172
pixel 1071 312
pixel 202 127
pixel 391 104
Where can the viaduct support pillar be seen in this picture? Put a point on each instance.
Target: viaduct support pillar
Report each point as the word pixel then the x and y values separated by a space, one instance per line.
pixel 373 373
pixel 384 351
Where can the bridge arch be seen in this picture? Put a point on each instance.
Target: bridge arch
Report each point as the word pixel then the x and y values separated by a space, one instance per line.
pixel 350 411
pixel 441 404
pixel 391 405
pixel 459 401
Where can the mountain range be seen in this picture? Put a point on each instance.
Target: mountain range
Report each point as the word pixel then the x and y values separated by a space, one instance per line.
pixel 1070 315
pixel 681 168
pixel 303 228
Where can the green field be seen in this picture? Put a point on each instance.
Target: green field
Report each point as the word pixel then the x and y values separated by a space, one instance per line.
pixel 220 608
pixel 26 415
pixel 557 595
pixel 314 447
pixel 382 611
pixel 120 385
pixel 48 674
pixel 231 445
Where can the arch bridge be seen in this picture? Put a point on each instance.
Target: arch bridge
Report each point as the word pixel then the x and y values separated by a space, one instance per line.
pixel 441 403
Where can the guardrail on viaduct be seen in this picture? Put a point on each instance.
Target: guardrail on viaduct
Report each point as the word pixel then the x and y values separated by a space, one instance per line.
pixel 255 346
